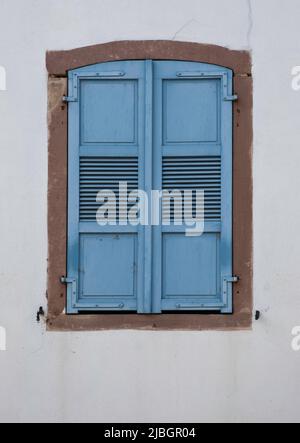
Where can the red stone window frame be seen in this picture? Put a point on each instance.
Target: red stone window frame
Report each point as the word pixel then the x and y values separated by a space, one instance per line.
pixel 58 64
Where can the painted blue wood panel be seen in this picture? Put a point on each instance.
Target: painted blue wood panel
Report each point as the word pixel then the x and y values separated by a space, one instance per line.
pixel 193 150
pixel 186 261
pixel 106 146
pixel 108 111
pixel 190 111
pixel 108 265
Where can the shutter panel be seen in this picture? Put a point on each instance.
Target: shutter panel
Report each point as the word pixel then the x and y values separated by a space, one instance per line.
pixel 193 150
pixel 106 146
pixel 156 126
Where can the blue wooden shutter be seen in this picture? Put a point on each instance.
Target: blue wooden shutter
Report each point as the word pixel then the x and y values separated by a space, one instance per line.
pixel 193 150
pixel 106 146
pixel 156 125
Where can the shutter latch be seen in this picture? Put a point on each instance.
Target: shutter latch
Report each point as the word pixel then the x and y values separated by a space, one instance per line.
pixel 72 282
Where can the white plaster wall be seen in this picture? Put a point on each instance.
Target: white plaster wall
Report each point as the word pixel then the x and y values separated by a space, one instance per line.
pixel 145 376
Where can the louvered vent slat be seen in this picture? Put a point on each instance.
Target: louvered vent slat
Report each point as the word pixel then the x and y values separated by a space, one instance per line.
pixel 194 173
pixel 102 173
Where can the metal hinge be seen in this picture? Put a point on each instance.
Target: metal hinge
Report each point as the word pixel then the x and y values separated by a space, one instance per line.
pixel 226 282
pixel 74 84
pixel 222 75
pixel 231 98
pixel 234 279
pixel 67 99
pixel 72 282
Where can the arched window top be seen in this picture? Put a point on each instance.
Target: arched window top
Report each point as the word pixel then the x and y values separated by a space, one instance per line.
pixel 59 62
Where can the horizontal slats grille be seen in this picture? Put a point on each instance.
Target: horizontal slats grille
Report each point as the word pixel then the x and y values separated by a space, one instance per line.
pixel 194 173
pixel 103 173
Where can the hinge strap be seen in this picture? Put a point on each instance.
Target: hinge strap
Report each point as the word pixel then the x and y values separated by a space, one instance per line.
pixel 75 80
pixel 226 282
pixel 72 283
